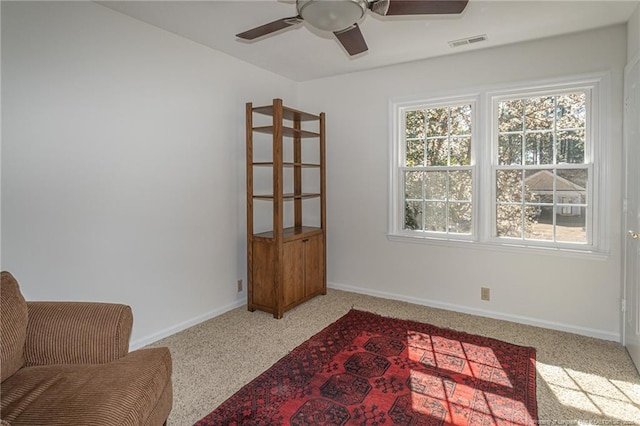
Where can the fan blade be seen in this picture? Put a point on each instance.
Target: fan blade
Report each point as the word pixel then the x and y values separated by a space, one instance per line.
pixel 418 7
pixel 269 28
pixel 352 40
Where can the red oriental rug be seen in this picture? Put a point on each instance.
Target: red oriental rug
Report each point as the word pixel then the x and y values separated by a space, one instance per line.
pixel 366 369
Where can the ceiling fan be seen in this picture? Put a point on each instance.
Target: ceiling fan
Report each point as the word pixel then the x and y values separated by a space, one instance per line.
pixel 341 17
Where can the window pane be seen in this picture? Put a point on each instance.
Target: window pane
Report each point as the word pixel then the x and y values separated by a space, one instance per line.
pixel 510 115
pixel 539 223
pixel 436 217
pixel 539 113
pixel 414 124
pixel 571 186
pixel 460 218
pixel 570 146
pixel 460 188
pixel 437 152
pixel 509 221
pixel 413 185
pixel 438 199
pixel 509 186
pixel 460 151
pixel 510 149
pixel 415 153
pixel 545 203
pixel 461 120
pixel 436 185
pixel 437 121
pixel 413 215
pixel 571 224
pixel 571 112
pixel 539 148
pixel 538 186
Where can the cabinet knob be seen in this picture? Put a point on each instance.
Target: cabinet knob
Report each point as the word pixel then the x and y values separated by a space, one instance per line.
pixel 306 240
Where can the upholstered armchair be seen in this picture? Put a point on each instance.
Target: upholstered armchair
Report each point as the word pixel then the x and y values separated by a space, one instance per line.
pixel 68 363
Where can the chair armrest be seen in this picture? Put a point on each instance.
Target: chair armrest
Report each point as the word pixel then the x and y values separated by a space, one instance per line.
pixel 76 332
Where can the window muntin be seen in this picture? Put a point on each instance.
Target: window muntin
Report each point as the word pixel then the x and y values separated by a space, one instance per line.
pixel 437 175
pixel 542 173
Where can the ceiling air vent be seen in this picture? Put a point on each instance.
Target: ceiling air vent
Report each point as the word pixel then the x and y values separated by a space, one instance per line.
pixel 468 40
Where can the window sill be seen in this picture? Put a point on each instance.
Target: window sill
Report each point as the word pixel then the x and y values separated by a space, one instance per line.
pixel 508 247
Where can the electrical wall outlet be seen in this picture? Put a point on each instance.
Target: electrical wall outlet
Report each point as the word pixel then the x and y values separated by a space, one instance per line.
pixel 485 293
pixel 239 286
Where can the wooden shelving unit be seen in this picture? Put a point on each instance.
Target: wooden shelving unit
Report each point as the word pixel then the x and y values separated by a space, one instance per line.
pixel 287 264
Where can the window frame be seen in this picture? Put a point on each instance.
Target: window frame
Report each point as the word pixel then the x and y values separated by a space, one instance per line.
pixel 397 170
pixel 484 151
pixel 588 163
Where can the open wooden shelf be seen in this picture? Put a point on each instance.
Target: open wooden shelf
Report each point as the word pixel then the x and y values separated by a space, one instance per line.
pixel 292 233
pixel 288 196
pixel 288 165
pixel 287 265
pixel 287 113
pixel 288 131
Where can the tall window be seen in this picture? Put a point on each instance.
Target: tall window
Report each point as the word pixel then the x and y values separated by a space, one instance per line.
pixel 437 172
pixel 542 167
pixel 519 166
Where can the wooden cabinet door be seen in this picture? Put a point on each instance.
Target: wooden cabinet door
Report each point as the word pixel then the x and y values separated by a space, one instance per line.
pixel 314 265
pixel 293 273
pixel 303 271
pixel 263 292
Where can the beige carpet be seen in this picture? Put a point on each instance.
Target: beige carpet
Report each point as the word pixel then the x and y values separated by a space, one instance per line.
pixel 580 380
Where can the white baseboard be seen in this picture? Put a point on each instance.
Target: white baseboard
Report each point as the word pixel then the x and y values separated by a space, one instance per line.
pixel 590 332
pixel 144 341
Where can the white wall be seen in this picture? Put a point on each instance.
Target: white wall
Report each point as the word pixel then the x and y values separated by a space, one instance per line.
pixel 123 176
pixel 123 163
pixel 580 295
pixel 633 35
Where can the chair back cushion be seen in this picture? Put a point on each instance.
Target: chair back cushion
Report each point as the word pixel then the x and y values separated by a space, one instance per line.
pixel 13 326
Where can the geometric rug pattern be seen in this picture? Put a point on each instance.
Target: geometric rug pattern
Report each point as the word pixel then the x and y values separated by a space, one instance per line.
pixel 366 369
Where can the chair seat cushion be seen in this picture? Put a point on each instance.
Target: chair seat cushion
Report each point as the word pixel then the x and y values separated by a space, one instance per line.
pixel 122 392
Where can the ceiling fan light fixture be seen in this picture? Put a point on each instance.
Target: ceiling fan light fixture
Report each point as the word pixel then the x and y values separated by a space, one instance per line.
pixel 331 15
pixel 341 17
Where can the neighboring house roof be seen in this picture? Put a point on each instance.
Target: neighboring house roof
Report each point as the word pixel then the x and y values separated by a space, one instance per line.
pixel 542 181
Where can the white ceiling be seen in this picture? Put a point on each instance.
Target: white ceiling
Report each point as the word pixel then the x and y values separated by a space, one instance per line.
pixel 304 53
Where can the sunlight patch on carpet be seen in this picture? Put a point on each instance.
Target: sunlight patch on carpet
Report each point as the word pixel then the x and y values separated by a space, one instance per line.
pixel 592 393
